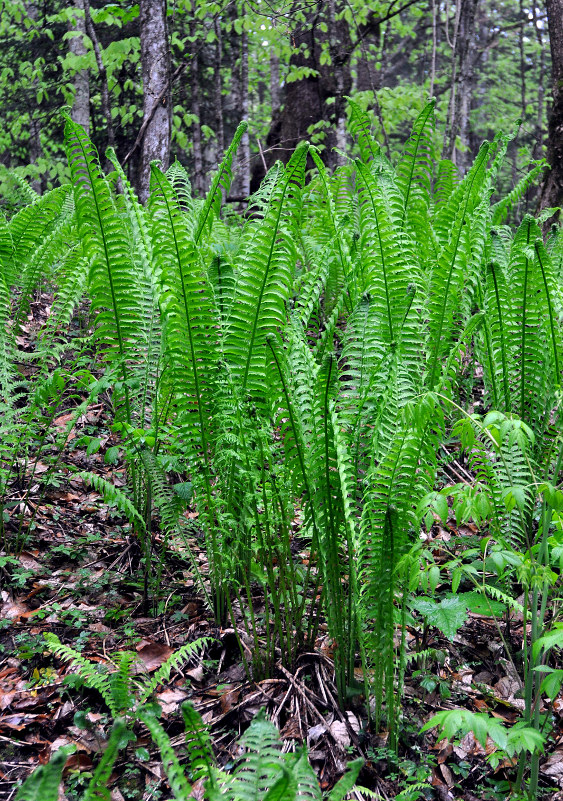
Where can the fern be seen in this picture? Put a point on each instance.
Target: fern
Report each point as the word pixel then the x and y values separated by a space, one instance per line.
pixel 414 169
pixel 174 772
pixel 97 786
pixel 262 285
pixel 198 745
pixel 43 783
pixel 112 275
pixel 174 662
pixel 114 495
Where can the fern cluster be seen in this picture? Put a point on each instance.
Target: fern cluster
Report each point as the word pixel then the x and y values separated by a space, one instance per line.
pixel 305 363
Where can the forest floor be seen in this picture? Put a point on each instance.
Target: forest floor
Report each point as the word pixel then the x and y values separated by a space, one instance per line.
pixel 78 576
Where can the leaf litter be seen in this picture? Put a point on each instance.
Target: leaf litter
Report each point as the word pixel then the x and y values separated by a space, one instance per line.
pixel 77 579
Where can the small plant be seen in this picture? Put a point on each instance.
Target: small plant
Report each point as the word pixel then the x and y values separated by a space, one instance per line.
pixel 123 691
pixel 262 771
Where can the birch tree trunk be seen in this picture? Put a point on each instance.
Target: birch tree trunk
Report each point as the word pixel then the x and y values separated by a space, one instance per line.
pixel 219 90
pixel 198 181
pixel 552 188
pixel 244 109
pixel 106 102
pixel 155 71
pixel 80 112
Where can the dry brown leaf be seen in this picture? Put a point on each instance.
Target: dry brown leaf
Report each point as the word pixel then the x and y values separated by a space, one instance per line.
pixel 553 766
pixel 170 699
pixel 228 700
pixel 196 674
pixel 153 654
pixel 339 731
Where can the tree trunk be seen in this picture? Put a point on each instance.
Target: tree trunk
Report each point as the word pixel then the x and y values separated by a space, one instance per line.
pixel 539 132
pixel 155 70
pixel 219 90
pixel 274 81
pixel 80 112
pixel 317 97
pixel 106 102
pixel 463 46
pixel 196 127
pixel 552 188
pixel 244 110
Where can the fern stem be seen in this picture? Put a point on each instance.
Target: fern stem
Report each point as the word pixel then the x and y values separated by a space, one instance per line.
pixel 550 310
pixel 499 310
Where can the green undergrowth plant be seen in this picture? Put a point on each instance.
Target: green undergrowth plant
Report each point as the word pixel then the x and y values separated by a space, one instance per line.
pixel 261 771
pixel 125 689
pixel 516 491
pixel 301 369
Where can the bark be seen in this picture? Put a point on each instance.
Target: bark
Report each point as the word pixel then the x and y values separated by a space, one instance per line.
pixel 244 109
pixel 434 44
pixel 35 146
pixel 463 73
pixel 538 146
pixel 320 96
pixel 219 91
pixel 523 15
pixel 35 150
pixel 552 188
pixel 106 102
pixel 274 81
pixel 155 71
pixel 315 98
pixel 80 112
pixel 196 128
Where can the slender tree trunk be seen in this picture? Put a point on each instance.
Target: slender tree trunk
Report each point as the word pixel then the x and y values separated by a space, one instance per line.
pixel 523 16
pixel 80 112
pixel 196 128
pixel 274 81
pixel 106 102
pixel 35 150
pixel 244 109
pixel 434 45
pixel 338 67
pixel 35 146
pixel 448 150
pixel 219 90
pixel 460 101
pixel 155 69
pixel 538 146
pixel 552 188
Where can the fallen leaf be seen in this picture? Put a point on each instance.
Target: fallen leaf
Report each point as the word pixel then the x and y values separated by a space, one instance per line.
pixel 13 610
pixel 153 654
pixel 169 700
pixel 340 734
pixel 553 766
pixel 228 700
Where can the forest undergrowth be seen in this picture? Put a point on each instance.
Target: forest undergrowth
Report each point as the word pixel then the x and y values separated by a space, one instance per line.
pixel 280 500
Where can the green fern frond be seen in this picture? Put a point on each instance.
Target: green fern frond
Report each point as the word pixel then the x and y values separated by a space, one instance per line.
pixel 501 209
pixel 97 789
pixel 414 170
pixel 174 772
pixel 180 181
pixel 198 745
pixel 88 671
pixel 113 495
pixel 174 662
pixel 360 128
pixel 43 783
pixel 112 275
pixel 262 286
pixel 260 766
pixel 220 184
pixel 403 475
